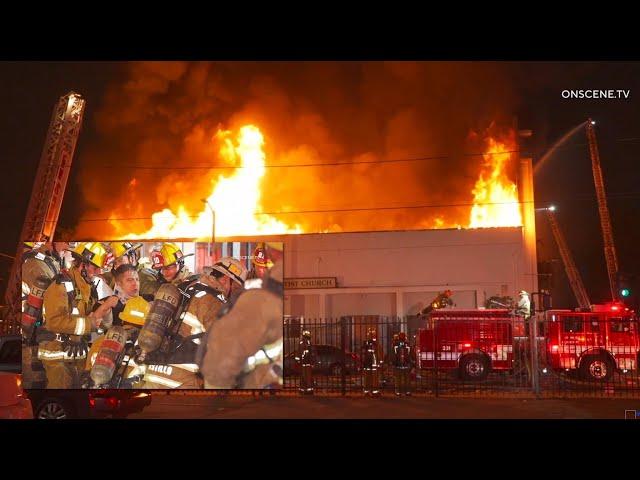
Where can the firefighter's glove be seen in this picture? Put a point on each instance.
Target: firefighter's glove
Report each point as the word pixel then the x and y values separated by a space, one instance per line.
pixel 75 348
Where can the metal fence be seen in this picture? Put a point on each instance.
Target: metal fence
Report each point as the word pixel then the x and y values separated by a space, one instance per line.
pixel 479 357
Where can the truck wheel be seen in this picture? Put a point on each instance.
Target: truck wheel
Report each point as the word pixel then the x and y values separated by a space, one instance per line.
pixel 597 368
pixel 474 367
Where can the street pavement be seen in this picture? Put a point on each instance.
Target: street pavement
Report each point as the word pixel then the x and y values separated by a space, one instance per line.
pixel 266 406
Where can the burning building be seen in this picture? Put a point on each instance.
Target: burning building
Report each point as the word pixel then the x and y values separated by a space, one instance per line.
pixel 348 173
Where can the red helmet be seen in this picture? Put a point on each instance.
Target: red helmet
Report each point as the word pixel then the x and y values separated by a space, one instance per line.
pixel 402 337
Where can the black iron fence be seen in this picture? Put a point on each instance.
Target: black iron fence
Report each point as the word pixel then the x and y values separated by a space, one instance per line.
pixel 481 355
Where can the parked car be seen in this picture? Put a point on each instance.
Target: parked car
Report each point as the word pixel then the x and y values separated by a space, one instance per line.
pixel 13 402
pixel 59 404
pixel 49 404
pixel 11 353
pixel 329 360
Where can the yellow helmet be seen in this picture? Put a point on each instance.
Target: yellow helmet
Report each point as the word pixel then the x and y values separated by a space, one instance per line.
pixel 30 244
pixel 168 254
pixel 135 311
pixel 120 249
pixel 92 252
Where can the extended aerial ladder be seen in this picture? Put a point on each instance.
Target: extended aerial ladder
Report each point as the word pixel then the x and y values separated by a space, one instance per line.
pixel 605 220
pixel 575 280
pixel 47 195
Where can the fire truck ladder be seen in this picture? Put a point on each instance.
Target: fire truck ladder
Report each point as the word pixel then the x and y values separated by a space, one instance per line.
pixel 569 265
pixel 603 209
pixel 47 194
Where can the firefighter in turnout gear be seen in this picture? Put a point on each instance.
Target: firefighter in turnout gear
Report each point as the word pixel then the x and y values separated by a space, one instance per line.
pixel 121 253
pixel 229 275
pixel 304 357
pixel 167 266
pixel 402 364
pixel 243 349
pixel 40 266
pixel 524 305
pixel 68 317
pixel 204 297
pixel 370 363
pixel 123 372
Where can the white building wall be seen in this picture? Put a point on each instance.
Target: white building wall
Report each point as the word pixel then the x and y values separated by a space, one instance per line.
pixel 398 273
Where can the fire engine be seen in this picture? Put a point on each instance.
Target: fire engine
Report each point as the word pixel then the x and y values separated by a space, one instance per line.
pixel 474 342
pixel 593 343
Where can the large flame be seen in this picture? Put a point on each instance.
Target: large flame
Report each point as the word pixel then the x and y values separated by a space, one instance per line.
pixel 235 199
pixel 495 197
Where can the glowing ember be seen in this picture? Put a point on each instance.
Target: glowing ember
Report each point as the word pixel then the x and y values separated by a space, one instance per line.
pixel 235 199
pixel 495 202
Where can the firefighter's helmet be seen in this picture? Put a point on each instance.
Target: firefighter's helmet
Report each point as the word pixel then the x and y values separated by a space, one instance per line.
pixel 260 257
pixel 91 252
pixel 402 337
pixel 306 334
pixel 120 249
pixel 523 292
pixel 135 311
pixel 232 268
pixel 372 333
pixel 168 254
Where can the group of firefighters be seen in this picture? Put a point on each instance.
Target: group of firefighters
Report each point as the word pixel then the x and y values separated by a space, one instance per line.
pixel 94 316
pixel 371 363
pixel 401 352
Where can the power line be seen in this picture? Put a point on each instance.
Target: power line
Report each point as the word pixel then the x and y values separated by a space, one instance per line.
pixel 300 165
pixel 401 207
pixel 358 209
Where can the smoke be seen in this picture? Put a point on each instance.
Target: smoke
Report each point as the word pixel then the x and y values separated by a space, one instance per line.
pixel 165 115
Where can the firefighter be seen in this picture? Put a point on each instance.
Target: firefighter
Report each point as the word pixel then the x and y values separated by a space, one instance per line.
pixel 402 364
pixel 207 294
pixel 305 358
pixel 230 275
pixel 524 304
pixel 261 264
pixel 167 267
pixel 243 349
pixel 121 253
pixel 40 266
pixel 127 286
pixel 370 363
pixel 131 318
pixel 68 317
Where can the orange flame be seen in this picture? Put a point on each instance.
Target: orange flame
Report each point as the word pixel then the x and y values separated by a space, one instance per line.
pixel 235 199
pixel 495 202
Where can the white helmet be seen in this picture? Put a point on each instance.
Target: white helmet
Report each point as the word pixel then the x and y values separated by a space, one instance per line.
pixel 523 292
pixel 232 268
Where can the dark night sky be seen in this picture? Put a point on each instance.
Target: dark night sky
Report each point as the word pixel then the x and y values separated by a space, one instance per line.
pixel 29 90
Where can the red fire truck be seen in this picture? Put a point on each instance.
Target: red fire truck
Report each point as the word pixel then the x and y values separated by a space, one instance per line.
pixel 593 343
pixel 474 342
